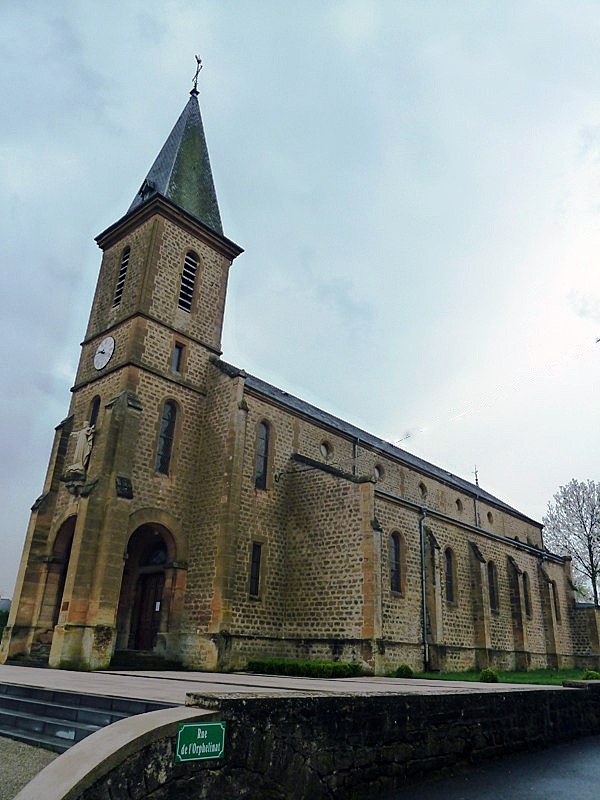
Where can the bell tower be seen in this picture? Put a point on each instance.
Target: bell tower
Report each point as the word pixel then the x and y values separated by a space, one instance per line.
pixel 104 562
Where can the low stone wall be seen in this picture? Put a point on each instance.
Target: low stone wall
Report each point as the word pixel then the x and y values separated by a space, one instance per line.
pixel 314 747
pixel 358 746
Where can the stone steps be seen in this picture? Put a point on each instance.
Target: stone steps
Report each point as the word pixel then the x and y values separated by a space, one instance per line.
pixel 56 720
pixel 142 659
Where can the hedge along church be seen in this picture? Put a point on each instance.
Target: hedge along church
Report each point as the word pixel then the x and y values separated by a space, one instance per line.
pixel 193 510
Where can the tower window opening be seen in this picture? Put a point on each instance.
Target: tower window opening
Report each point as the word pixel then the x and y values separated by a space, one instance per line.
pixel 94 410
pixel 166 437
pixel 121 277
pixel 255 569
pixel 177 357
pixel 188 281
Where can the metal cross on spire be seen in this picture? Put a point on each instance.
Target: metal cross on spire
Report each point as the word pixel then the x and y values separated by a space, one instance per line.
pixel 195 82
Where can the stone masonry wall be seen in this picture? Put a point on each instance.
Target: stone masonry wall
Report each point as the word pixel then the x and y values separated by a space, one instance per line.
pixel 307 523
pixel 402 611
pixel 353 746
pixel 324 593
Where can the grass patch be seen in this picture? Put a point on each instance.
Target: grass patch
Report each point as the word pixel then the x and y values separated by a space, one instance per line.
pixel 541 677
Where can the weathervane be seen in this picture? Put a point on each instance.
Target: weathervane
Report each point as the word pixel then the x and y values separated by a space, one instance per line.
pixel 198 68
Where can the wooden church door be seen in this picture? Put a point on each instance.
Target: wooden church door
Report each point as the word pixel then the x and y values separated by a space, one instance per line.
pixel 148 602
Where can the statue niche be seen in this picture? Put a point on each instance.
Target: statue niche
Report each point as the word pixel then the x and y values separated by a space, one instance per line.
pixel 75 474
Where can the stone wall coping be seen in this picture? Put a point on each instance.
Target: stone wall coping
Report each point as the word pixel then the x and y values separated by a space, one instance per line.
pixel 83 764
pixel 594 685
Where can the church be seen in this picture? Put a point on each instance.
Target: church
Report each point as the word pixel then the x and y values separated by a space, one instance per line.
pixel 194 511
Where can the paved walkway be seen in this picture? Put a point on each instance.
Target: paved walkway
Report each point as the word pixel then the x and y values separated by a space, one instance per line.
pixel 171 687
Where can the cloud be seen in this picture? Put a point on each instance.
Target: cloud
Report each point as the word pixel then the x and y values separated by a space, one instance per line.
pixel 415 185
pixel 585 306
pixel 356 23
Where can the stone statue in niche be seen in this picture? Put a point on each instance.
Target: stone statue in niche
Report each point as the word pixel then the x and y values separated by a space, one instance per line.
pixel 83 447
pixel 75 474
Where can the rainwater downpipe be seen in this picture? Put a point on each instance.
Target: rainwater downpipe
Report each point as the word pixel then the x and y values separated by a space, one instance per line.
pixel 422 516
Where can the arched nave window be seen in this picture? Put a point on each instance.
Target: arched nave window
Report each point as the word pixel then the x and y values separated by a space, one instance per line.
pixel 493 586
pixel 450 575
pixel 262 456
pixel 397 562
pixel 527 594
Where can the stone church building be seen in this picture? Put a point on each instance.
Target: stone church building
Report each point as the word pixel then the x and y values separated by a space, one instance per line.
pixel 193 510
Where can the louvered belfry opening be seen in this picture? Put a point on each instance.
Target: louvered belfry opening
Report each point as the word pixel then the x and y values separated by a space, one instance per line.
pixel 188 281
pixel 121 277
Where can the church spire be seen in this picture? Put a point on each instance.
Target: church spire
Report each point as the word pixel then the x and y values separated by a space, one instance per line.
pixel 181 171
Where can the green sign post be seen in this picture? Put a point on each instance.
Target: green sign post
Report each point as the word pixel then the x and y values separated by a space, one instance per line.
pixel 196 741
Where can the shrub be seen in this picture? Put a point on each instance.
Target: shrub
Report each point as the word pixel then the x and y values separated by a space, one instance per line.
pixel 307 669
pixel 3 621
pixel 403 671
pixel 591 675
pixel 488 675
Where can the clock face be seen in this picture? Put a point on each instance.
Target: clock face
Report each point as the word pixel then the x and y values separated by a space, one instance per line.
pixel 104 352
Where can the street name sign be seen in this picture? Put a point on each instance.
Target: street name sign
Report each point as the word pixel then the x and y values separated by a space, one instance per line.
pixel 197 741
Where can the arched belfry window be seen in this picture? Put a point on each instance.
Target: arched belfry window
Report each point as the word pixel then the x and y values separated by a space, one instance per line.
pixel 165 437
pixel 120 285
pixel 188 281
pixel 262 456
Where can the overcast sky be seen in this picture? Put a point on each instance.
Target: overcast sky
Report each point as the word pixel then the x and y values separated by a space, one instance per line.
pixel 416 186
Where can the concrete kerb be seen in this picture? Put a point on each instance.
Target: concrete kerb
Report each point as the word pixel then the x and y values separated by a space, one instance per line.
pixel 95 756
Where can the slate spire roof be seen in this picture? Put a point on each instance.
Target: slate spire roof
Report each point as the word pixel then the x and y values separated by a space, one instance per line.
pixel 181 171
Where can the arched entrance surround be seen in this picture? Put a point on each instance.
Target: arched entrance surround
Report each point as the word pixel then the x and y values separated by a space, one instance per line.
pixel 150 603
pixel 56 569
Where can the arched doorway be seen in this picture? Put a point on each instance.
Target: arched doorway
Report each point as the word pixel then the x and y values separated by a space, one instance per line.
pixel 57 566
pixel 145 601
pixel 61 555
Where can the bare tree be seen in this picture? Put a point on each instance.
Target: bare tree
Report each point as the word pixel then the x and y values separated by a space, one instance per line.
pixel 572 525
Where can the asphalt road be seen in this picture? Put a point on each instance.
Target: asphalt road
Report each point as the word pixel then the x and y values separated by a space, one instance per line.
pixel 566 772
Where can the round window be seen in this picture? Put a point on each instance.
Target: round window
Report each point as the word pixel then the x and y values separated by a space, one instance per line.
pixel 326 450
